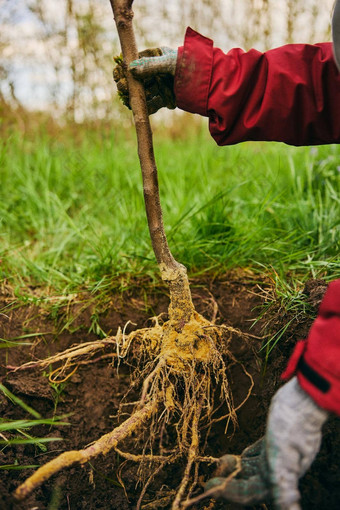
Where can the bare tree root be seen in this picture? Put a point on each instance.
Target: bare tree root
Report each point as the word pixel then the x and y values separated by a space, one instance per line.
pixel 181 369
pixel 216 491
pixel 101 446
pixel 151 478
pixel 192 455
pixel 81 354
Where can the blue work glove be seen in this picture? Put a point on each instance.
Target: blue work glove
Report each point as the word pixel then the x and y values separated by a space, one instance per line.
pixel 272 467
pixel 156 69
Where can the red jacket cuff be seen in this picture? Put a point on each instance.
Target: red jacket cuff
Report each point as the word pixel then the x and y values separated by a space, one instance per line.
pixel 316 360
pixel 193 73
pixel 330 304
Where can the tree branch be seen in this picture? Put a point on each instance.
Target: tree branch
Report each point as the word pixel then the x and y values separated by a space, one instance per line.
pixel 172 271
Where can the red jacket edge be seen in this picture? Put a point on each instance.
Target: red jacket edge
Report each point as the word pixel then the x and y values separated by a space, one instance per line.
pixel 316 360
pixel 289 94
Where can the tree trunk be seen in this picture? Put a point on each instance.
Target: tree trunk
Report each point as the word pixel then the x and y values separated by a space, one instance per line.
pixel 174 273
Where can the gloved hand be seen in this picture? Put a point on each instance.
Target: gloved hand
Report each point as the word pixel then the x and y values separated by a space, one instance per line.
pixel 156 69
pixel 271 467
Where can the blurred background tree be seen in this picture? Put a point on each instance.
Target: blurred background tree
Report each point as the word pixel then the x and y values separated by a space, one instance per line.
pixel 56 57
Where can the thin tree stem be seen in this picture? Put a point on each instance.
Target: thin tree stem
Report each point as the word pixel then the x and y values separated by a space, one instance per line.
pixel 171 271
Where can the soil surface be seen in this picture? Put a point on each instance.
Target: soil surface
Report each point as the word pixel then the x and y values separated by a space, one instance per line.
pixel 92 395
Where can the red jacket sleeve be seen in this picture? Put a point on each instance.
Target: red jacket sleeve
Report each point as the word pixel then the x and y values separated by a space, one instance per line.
pixel 289 94
pixel 316 360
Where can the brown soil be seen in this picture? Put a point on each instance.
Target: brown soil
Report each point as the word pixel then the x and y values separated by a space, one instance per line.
pixel 93 394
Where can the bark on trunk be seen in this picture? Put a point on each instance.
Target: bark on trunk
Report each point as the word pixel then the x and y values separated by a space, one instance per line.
pixel 181 307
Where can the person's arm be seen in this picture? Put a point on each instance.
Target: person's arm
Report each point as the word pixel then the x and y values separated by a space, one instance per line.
pixel 316 360
pixel 290 94
pixel 271 469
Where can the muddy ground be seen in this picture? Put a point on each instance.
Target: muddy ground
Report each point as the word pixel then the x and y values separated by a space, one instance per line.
pixel 93 393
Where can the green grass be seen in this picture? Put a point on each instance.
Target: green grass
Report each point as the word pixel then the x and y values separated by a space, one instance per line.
pixel 72 218
pixel 18 431
pixel 72 214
